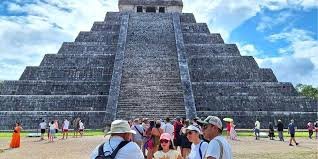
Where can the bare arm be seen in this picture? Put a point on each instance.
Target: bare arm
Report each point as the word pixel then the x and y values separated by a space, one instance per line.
pixel 179 157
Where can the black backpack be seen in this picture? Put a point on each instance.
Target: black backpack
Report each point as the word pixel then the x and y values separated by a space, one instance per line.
pixel 101 154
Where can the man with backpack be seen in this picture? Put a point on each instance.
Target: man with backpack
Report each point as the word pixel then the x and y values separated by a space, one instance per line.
pixel 118 146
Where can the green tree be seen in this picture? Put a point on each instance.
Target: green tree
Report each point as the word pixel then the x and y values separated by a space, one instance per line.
pixel 308 91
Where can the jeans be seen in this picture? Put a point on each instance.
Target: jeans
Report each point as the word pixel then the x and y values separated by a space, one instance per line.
pixel 280 135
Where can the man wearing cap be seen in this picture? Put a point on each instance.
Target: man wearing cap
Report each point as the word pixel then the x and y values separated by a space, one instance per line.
pixel 218 147
pixel 120 132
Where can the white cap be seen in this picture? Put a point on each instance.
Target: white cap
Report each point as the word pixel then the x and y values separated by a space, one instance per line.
pixel 194 128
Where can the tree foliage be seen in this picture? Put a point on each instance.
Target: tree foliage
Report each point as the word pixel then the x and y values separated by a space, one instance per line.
pixel 307 90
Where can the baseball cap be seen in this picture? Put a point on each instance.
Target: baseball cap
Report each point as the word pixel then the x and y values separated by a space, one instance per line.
pixel 165 136
pixel 194 128
pixel 214 120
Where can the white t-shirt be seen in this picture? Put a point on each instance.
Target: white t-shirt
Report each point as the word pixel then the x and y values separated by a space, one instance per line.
pixel 138 136
pixel 168 128
pixel 195 150
pixel 43 125
pixel 214 149
pixel 51 126
pixel 129 151
pixel 81 125
pixel 257 125
pixel 66 124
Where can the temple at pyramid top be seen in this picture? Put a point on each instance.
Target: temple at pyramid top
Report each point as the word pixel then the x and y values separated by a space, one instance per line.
pixel 155 6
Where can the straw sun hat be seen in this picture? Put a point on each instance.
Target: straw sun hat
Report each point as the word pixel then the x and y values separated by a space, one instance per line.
pixel 119 127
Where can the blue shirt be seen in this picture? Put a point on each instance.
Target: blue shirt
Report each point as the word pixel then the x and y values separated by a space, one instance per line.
pixel 291 128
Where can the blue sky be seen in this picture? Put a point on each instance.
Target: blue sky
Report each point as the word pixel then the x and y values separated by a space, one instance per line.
pixel 280 34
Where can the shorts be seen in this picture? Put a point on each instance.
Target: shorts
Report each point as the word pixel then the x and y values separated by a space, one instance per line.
pixel 42 131
pixel 52 131
pixel 292 135
pixel 65 130
pixel 80 130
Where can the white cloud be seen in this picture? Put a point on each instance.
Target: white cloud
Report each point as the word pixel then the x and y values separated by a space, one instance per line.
pixel 301 63
pixel 46 25
pixel 269 22
pixel 249 50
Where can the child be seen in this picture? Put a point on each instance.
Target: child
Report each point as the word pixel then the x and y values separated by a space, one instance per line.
pixel 166 149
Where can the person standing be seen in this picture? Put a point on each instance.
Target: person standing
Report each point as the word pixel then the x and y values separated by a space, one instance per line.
pixel 51 131
pixel 139 136
pixel 280 129
pixel 292 131
pixel 56 127
pixel 15 141
pixel 118 145
pixel 233 134
pixel 166 149
pixel 156 133
pixel 218 147
pixel 65 128
pixel 257 129
pixel 43 128
pixel 310 127
pixel 271 131
pixel 185 144
pixel 316 128
pixel 168 128
pixel 81 128
pixel 198 147
pixel 177 127
pixel 228 129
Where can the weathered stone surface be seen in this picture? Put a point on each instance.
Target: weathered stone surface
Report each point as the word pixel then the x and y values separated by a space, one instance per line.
pixel 153 65
pixel 55 88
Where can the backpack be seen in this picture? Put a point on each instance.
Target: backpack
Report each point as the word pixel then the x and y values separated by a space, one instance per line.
pixel 101 154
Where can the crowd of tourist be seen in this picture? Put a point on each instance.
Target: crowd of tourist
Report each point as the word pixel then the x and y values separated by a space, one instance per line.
pixel 182 139
pixel 176 139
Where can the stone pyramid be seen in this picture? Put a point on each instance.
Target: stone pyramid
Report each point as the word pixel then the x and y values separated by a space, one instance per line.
pixel 149 60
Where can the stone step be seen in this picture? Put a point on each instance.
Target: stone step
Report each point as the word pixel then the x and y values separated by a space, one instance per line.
pixel 207 50
pixel 150 38
pixel 187 18
pixel 246 119
pixel 31 119
pixel 231 74
pixel 160 81
pixel 110 38
pixel 67 73
pixel 78 60
pixel 52 103
pixel 255 103
pixel 246 62
pixel 195 28
pixel 243 89
pixel 87 48
pixel 54 88
pixel 106 26
pixel 112 16
pixel 202 38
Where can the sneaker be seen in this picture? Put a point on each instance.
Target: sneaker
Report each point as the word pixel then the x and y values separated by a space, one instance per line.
pixel 291 145
pixel 297 143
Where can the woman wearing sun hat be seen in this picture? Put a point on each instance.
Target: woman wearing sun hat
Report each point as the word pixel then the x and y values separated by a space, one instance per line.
pixel 166 149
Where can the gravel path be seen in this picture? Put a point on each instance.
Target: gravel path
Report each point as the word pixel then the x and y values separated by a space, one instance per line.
pixel 80 148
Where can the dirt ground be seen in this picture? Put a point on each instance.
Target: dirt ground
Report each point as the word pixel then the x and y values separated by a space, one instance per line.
pixel 80 148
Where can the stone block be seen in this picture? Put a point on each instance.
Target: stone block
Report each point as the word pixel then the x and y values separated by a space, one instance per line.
pixel 54 88
pixel 206 50
pixel 67 73
pixel 202 38
pixel 87 48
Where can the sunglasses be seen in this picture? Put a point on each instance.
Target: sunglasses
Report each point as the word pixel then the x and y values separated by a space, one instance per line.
pixel 164 141
pixel 205 126
pixel 191 132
